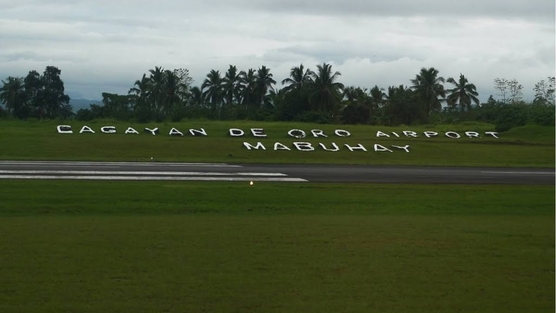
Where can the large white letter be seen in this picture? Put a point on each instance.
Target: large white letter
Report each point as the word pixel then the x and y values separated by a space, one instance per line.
pixel 195 132
pixel 236 132
pixel 410 133
pixel 257 147
pixel 318 133
pixel 406 148
pixel 175 132
pixel 334 147
pixel 430 133
pixel 86 129
pixel 108 129
pixel 303 146
pixel 493 134
pixel 296 133
pixel 358 147
pixel 451 134
pixel 472 134
pixel 153 131
pixel 381 148
pixel 381 134
pixel 279 146
pixel 64 129
pixel 342 133
pixel 258 132
pixel 131 130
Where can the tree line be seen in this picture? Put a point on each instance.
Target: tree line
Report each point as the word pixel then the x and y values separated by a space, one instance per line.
pixel 306 95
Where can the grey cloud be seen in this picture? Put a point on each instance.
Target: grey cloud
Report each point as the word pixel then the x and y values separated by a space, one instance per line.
pixel 509 8
pixel 370 42
pixel 340 51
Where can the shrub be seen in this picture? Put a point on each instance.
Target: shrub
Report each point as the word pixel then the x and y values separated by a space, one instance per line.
pixel 314 117
pixel 542 114
pixel 510 116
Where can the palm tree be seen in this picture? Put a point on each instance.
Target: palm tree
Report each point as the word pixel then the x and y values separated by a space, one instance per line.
pixel 462 94
pixel 263 84
pixel 377 96
pixel 428 87
pixel 350 94
pixel 196 96
pixel 174 91
pixel 12 94
pixel 140 87
pixel 141 94
pixel 212 88
pixel 327 92
pixel 299 78
pixel 141 91
pixel 248 87
pixel 231 82
pixel 157 87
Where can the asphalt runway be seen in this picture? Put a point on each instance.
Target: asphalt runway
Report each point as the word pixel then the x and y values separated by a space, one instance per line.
pixel 272 172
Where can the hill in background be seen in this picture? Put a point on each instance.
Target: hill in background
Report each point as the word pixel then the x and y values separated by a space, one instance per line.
pixel 77 104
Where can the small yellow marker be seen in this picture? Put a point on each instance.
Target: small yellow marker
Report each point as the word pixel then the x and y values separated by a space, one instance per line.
pixel 251 183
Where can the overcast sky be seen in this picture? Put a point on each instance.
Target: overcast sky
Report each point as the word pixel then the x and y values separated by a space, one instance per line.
pixel 104 46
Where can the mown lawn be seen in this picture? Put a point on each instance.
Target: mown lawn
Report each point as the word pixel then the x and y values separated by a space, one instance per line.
pixel 83 246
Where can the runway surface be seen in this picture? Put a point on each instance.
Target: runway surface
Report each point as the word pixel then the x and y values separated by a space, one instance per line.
pixel 272 172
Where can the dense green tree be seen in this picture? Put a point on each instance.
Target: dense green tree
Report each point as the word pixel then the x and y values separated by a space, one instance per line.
pixel 401 106
pixel 116 106
pixel 34 86
pixel 40 96
pixel 429 89
pixel 463 93
pixel 53 102
pixel 355 113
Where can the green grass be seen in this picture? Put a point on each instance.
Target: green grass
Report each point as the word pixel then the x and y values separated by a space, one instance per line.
pixel 529 146
pixel 227 247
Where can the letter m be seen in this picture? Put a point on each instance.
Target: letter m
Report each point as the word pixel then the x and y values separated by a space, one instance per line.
pixel 258 146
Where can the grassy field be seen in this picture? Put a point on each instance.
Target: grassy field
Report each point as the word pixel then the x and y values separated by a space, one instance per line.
pixel 228 247
pixel 528 146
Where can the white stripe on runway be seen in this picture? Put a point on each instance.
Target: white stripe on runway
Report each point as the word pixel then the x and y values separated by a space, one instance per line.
pixel 45 172
pixel 86 163
pixel 514 172
pixel 142 178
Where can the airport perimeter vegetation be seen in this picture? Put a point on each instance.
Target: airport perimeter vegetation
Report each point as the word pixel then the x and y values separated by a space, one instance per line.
pixel 93 246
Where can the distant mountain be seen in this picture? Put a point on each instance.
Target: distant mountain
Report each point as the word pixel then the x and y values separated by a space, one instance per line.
pixel 82 103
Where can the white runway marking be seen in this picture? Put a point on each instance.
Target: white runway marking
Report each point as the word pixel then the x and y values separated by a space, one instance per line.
pixel 152 173
pixel 519 173
pixel 81 163
pixel 142 178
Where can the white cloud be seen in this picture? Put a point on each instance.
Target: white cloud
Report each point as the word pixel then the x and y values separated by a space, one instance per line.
pixel 107 45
